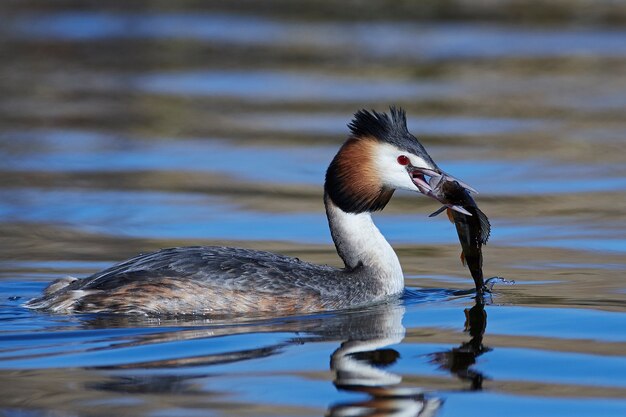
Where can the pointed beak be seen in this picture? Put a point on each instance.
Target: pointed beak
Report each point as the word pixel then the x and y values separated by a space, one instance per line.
pixel 428 180
pixel 422 178
pixel 439 177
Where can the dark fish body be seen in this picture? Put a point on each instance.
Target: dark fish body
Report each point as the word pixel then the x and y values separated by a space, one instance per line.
pixel 473 230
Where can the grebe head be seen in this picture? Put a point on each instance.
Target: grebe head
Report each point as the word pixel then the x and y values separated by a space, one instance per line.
pixel 379 157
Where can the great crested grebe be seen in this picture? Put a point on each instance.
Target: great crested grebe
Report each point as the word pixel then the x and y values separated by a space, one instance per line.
pixel 379 157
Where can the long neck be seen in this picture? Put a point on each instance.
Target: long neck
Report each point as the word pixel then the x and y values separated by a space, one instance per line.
pixel 360 244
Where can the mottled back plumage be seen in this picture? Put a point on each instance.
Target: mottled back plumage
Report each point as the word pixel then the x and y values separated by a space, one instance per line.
pixel 208 280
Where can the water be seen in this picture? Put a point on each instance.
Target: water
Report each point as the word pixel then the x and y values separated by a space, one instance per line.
pixel 130 128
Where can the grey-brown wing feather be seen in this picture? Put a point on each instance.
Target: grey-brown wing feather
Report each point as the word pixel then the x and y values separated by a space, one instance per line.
pixel 232 268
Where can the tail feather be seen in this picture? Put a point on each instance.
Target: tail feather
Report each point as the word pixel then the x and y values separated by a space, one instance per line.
pixel 59 284
pixel 57 297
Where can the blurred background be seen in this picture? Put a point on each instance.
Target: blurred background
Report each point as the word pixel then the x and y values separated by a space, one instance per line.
pixel 127 126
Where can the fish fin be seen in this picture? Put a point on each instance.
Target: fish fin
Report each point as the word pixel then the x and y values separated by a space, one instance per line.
pixel 485 226
pixel 450 216
pixel 463 258
pixel 435 213
pixel 461 209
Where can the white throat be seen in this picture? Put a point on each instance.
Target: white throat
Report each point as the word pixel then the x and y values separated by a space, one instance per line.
pixel 359 242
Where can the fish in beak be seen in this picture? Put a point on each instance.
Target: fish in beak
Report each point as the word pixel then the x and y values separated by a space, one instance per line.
pixel 472 225
pixel 431 183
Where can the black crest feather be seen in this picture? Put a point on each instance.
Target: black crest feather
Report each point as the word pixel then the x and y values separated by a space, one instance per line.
pixel 379 125
pixel 390 128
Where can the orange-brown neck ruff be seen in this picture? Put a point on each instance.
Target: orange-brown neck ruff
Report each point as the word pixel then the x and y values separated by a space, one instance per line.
pixel 352 181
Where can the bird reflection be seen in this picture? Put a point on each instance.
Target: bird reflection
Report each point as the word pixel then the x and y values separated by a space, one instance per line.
pixel 458 361
pixel 361 364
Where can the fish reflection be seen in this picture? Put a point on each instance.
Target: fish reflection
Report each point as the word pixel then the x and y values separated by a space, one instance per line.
pixel 459 360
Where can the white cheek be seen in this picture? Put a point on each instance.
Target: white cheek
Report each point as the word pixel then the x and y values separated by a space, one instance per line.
pixel 398 177
pixel 393 174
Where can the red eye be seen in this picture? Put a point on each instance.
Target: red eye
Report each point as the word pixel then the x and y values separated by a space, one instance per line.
pixel 403 160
